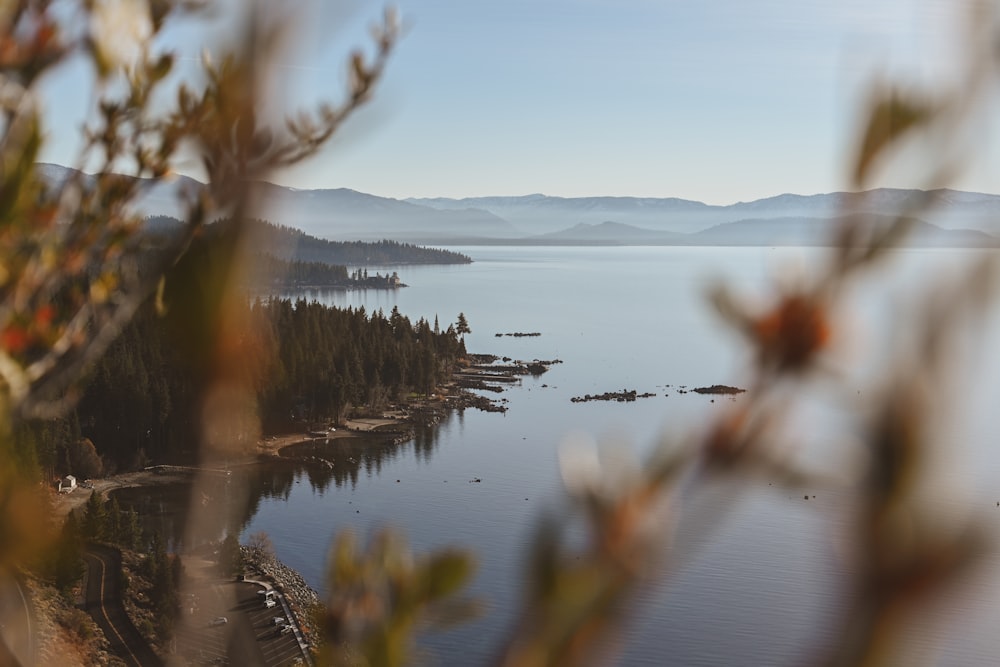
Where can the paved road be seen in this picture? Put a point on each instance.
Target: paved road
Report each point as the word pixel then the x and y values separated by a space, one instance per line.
pixel 103 603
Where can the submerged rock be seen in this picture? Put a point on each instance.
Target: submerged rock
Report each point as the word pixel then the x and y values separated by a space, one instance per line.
pixel 623 396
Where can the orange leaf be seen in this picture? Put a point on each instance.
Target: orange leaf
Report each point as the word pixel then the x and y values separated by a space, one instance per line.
pixel 14 339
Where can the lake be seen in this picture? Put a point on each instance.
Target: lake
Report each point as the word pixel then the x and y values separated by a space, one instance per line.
pixel 755 574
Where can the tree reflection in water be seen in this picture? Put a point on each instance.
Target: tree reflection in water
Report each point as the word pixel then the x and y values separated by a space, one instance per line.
pixel 165 508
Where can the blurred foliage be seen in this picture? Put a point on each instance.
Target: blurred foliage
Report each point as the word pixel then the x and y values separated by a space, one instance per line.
pixel 579 594
pixel 74 262
pixel 74 269
pixel 381 595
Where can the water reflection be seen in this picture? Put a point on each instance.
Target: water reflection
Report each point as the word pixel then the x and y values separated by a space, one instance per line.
pixel 228 502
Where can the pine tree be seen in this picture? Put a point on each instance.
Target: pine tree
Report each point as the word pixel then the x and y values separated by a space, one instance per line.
pixel 115 523
pixel 462 325
pixel 131 531
pixel 95 519
pixel 66 565
pixel 163 593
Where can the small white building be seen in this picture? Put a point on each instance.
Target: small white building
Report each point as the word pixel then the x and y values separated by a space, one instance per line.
pixel 67 484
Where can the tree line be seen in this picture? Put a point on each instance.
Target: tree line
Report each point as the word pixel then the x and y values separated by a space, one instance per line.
pixel 305 362
pixel 268 270
pixel 327 361
pixel 293 244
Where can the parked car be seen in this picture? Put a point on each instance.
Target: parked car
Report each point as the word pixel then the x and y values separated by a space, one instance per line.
pixel 279 620
pixel 269 602
pixel 219 620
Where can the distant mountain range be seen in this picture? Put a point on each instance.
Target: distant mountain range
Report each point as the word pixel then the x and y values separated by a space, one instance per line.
pixel 946 217
pixel 540 214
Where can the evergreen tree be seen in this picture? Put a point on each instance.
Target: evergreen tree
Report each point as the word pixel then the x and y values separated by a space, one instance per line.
pixel 462 325
pixel 95 519
pixel 115 523
pixel 64 564
pixel 163 594
pixel 131 531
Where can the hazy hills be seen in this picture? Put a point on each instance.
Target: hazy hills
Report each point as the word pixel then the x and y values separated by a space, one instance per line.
pixel 947 217
pixel 788 231
pixel 344 214
pixel 338 214
pixel 539 214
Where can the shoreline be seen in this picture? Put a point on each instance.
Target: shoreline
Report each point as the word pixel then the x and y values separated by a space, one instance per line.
pixel 425 410
pixel 302 598
pixel 397 419
pixel 397 423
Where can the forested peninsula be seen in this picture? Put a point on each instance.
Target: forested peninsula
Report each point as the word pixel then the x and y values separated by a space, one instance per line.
pixel 267 271
pixel 287 258
pixel 304 362
pixel 293 245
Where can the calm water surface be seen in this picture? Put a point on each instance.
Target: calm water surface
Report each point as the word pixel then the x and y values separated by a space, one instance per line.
pixel 755 573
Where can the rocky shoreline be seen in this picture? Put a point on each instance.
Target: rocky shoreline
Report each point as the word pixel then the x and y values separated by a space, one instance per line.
pixel 483 373
pixel 301 597
pixel 396 422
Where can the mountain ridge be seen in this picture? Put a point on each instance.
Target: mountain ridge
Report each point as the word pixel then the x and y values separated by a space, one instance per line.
pixel 946 208
pixel 344 214
pixel 786 231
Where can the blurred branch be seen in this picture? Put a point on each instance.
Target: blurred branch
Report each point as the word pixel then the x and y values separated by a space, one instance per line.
pixel 578 595
pixel 381 595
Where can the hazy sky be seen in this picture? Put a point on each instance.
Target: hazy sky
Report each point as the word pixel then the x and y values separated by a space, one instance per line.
pixel 714 100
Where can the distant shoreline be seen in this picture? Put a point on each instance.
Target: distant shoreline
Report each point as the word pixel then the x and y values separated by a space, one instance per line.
pixel 991 242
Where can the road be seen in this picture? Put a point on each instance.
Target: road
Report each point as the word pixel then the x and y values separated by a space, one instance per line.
pixel 103 603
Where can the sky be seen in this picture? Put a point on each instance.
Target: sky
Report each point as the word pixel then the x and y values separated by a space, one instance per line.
pixel 716 100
